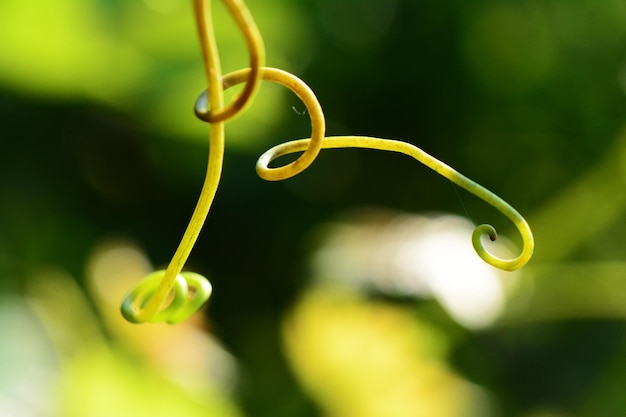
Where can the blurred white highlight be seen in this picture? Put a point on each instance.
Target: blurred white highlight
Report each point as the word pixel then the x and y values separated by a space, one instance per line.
pixel 420 256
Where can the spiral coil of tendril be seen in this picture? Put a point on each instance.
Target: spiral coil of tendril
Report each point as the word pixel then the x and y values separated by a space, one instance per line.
pixel 191 290
pixel 144 303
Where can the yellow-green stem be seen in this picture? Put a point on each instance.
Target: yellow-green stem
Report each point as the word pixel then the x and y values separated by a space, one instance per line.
pixel 436 165
pixel 214 169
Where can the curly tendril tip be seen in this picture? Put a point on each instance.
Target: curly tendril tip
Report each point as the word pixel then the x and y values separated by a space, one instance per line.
pixel 189 292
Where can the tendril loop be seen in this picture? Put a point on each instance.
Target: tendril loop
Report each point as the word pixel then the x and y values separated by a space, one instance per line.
pixel 312 104
pixel 256 51
pixel 189 292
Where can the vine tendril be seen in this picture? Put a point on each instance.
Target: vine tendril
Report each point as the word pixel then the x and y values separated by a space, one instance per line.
pixel 216 114
pixel 333 142
pixel 183 293
pixel 190 291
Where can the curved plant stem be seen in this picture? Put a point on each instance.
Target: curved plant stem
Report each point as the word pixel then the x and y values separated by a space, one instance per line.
pixel 216 115
pixel 334 142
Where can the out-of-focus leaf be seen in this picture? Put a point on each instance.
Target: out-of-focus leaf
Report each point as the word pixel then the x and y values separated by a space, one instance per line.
pixel 359 358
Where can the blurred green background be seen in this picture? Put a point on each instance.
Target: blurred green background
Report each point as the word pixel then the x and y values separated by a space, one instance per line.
pixel 347 291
